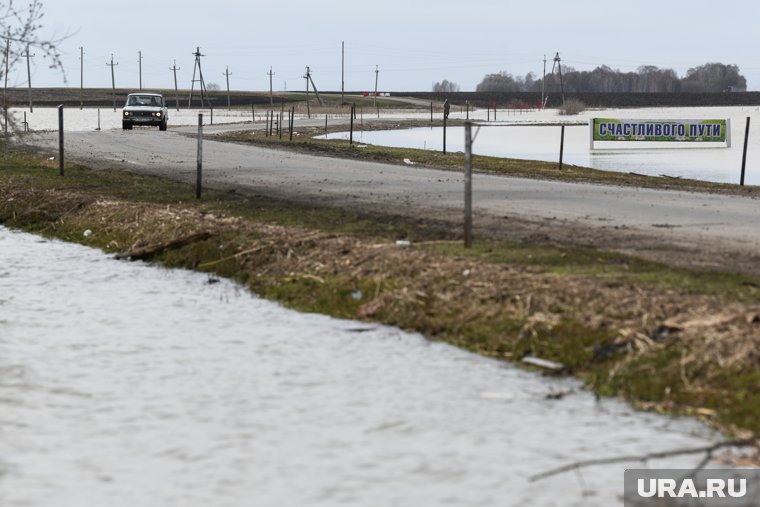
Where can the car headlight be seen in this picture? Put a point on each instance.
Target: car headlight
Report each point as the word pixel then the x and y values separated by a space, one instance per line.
pixel 157 114
pixel 126 113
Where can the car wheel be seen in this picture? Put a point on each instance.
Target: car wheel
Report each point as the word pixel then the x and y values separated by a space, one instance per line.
pixel 162 126
pixel 126 125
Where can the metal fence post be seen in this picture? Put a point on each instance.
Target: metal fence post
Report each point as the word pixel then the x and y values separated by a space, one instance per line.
pixel 60 139
pixel 200 157
pixel 744 153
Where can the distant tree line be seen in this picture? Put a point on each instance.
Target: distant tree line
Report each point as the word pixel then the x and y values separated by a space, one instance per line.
pixel 710 77
pixel 445 86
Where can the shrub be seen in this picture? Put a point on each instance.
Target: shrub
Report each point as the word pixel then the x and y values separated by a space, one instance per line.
pixel 571 107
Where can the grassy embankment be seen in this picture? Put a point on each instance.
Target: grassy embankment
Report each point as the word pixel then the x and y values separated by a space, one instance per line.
pixel 664 338
pixel 303 141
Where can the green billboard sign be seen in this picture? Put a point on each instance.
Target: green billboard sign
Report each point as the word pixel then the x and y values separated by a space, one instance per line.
pixel 690 131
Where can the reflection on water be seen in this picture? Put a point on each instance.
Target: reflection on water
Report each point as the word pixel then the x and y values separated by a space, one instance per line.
pixel 123 384
pixel 542 142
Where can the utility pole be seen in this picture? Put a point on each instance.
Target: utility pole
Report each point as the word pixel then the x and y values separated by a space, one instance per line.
pixel 29 78
pixel 202 84
pixel 113 81
pixel 176 90
pixel 374 97
pixel 543 84
pixel 557 62
pixel 139 62
pixel 308 107
pixel 227 74
pixel 316 92
pixel 81 77
pixel 270 73
pixel 342 71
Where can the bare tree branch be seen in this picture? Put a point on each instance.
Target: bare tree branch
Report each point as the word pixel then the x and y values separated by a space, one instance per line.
pixel 707 450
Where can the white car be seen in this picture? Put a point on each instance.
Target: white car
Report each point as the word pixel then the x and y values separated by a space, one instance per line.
pixel 144 109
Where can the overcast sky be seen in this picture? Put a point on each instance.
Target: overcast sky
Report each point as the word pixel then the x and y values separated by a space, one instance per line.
pixel 414 44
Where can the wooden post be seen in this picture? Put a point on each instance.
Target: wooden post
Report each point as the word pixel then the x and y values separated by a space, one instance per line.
pixel 467 105
pixel 279 125
pixel 325 124
pixel 351 131
pixel 468 185
pixel 292 120
pixel 561 146
pixel 253 114
pixel 431 112
pixel 199 171
pixel 212 114
pixel 444 133
pixel 271 122
pixel 744 153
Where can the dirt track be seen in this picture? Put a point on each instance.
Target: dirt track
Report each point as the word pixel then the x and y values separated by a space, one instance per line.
pixel 681 228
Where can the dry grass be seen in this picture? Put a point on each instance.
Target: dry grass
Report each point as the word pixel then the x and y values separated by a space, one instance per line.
pixel 661 347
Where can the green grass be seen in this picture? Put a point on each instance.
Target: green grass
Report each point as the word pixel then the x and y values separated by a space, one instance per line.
pixel 614 268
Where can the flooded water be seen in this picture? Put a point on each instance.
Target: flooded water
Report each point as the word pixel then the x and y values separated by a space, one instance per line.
pixel 123 384
pixel 526 138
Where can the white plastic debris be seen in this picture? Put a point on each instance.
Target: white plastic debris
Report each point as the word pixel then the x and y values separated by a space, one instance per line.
pixel 87 233
pixel 543 363
pixel 407 161
pixel 403 242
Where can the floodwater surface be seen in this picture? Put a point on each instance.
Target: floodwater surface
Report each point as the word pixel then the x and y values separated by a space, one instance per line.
pixel 542 142
pixel 123 384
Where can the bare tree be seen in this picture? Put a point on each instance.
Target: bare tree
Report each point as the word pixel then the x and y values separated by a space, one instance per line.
pixel 445 86
pixel 20 26
pixel 710 77
pixel 714 77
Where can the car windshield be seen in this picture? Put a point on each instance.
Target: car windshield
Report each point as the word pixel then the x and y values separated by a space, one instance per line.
pixel 144 100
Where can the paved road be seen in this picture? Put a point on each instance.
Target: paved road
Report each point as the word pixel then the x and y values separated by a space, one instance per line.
pixel 614 217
